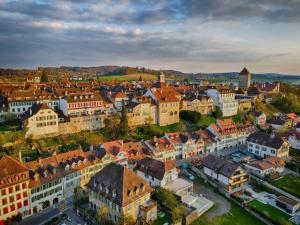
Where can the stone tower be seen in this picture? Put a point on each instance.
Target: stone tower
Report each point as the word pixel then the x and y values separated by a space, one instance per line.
pixel 244 79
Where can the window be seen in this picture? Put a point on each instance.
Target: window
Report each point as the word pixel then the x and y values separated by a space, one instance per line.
pixel 18 196
pixel 5 210
pixel 3 192
pixel 26 203
pixel 24 194
pixel 19 205
pixel 4 201
pixel 11 199
pixel 11 190
pixel 24 185
pixel 17 188
pixel 12 208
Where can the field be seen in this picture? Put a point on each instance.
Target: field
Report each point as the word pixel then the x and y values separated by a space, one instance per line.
pixel 270 212
pixel 236 216
pixel 289 183
pixel 129 77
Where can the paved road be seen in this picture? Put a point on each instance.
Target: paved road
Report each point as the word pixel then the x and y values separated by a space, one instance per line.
pixel 222 205
pixel 42 217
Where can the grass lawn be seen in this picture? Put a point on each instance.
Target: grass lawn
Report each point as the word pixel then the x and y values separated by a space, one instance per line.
pixel 289 183
pixel 236 216
pixel 274 215
pixel 127 77
pixel 206 120
pixel 149 131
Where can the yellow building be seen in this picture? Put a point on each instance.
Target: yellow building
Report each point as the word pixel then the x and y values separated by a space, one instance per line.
pixel 201 104
pixel 14 181
pixel 141 111
pixel 40 121
pixel 122 192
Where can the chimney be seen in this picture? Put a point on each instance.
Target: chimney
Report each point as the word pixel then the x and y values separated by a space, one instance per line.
pixel 30 111
pixel 91 147
pixel 20 157
pixel 272 136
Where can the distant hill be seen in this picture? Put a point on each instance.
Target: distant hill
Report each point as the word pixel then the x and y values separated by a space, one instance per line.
pixel 57 73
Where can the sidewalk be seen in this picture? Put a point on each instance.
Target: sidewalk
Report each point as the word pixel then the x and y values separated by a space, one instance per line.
pixel 41 217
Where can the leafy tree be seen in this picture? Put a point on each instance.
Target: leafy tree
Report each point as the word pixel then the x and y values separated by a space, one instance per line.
pixel 165 198
pixel 101 216
pixel 126 220
pixel 111 126
pixel 191 116
pixel 217 113
pixel 123 126
pixel 44 77
pixel 179 213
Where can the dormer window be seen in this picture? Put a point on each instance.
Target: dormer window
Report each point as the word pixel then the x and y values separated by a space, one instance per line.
pixel 114 193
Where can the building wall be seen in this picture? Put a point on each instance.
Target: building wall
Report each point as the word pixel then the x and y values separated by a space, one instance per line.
pixel 43 123
pixel 168 113
pixel 263 151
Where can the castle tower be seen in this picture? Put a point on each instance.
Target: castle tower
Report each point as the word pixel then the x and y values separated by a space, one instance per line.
pixel 244 79
pixel 161 77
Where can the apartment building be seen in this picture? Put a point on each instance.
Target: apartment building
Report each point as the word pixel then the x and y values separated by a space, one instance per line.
pixel 14 186
pixel 122 192
pixel 40 121
pixel 202 104
pixel 224 98
pixel 263 144
pixel 227 174
pixel 85 103
pixel 20 101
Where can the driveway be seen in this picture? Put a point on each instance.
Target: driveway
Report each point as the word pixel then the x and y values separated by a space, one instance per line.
pixel 222 205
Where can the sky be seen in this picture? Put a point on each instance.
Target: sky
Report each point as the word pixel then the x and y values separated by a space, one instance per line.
pixel 185 35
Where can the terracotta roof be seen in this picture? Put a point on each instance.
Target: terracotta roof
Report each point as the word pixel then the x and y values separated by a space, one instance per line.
pixel 119 184
pixel 34 109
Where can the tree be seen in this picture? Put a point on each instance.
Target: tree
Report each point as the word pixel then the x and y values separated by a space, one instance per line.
pixel 178 213
pixel 44 77
pixel 111 126
pixel 123 126
pixel 101 216
pixel 217 113
pixel 191 116
pixel 126 220
pixel 165 198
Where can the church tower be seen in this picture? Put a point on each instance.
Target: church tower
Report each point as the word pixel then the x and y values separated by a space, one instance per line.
pixel 161 77
pixel 244 79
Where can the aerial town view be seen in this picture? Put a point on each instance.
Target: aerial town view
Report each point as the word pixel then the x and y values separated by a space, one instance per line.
pixel 149 112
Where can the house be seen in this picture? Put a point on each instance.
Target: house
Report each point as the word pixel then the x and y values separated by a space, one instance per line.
pixel 116 150
pixel 293 137
pixel 118 98
pixel 280 122
pixel 289 205
pixel 224 99
pixel 40 121
pixel 244 103
pixel 228 134
pixel 265 166
pixel 268 88
pixel 156 172
pixel 227 174
pixel 263 145
pixel 122 192
pixel 14 188
pixel 161 148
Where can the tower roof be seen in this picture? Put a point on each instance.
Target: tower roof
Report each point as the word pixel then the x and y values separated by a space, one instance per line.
pixel 245 71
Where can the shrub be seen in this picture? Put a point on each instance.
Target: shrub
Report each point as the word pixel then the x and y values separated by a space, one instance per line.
pixel 191 116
